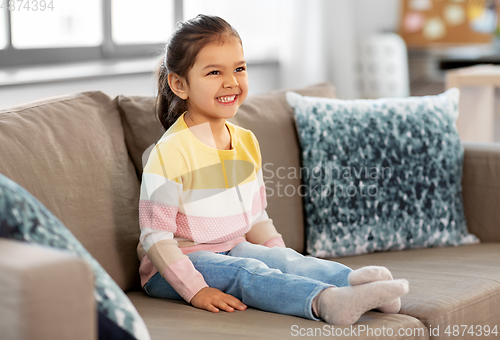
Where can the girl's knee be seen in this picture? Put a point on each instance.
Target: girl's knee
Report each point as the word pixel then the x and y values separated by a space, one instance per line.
pixel 252 265
pixel 287 254
pixel 243 248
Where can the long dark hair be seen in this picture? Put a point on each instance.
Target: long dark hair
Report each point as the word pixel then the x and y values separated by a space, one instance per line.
pixel 180 53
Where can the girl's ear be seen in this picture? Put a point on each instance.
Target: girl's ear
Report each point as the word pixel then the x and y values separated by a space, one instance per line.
pixel 178 85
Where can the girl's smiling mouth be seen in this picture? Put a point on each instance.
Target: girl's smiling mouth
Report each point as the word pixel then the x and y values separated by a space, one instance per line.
pixel 227 99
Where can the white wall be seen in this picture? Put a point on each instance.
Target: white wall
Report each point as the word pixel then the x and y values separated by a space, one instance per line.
pixel 376 16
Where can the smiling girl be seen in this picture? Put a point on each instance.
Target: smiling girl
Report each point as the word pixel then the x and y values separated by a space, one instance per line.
pixel 205 234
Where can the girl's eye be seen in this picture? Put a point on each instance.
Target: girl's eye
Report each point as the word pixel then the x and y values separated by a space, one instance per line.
pixel 214 72
pixel 240 69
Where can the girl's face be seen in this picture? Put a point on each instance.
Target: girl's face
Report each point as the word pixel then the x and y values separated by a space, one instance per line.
pixel 218 81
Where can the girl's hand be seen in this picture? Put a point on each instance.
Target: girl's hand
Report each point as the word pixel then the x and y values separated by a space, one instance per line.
pixel 213 299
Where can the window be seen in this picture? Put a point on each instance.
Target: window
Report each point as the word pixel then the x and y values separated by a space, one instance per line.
pixel 3 28
pixel 84 30
pixel 64 25
pixel 150 21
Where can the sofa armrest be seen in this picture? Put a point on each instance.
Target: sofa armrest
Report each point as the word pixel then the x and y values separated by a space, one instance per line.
pixel 45 294
pixel 481 189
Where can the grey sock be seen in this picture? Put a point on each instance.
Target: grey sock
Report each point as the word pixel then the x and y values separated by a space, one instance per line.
pixel 345 305
pixel 375 273
pixel 369 274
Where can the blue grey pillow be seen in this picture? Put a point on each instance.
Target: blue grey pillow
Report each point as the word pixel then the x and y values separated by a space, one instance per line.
pixel 24 218
pixel 380 174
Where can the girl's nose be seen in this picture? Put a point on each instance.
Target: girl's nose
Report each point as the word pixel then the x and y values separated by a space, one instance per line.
pixel 230 82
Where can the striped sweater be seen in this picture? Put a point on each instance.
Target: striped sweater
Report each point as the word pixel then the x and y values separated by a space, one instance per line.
pixel 195 197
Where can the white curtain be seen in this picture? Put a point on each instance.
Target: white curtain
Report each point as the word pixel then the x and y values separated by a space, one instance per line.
pixel 319 45
pixel 321 40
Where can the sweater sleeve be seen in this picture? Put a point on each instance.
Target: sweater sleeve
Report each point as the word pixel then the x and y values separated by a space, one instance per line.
pixel 263 230
pixel 161 190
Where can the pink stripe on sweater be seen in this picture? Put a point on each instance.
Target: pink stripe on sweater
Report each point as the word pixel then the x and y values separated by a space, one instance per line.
pixel 212 229
pixel 157 216
pixel 259 202
pixel 184 278
pixel 146 270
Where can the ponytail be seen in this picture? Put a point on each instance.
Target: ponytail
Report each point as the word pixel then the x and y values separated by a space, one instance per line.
pixel 169 107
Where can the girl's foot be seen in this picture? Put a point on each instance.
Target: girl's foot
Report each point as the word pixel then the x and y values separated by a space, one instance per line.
pixel 371 274
pixel 345 305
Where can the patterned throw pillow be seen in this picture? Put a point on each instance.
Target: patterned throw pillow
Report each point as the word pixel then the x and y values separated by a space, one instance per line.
pixel 380 174
pixel 24 218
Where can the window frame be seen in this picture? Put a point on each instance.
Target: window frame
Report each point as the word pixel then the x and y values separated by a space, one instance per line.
pixel 12 57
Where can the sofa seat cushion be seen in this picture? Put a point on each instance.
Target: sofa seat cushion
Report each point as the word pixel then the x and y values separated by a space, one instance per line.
pixel 448 286
pixel 178 320
pixel 70 153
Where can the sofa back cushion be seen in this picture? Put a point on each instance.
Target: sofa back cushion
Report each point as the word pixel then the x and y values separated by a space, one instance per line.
pixel 271 120
pixel 381 174
pixel 69 152
pixel 140 126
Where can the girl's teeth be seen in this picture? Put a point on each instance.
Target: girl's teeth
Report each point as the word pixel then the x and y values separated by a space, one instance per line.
pixel 226 99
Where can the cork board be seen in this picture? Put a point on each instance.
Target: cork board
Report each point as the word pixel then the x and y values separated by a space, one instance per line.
pixel 425 23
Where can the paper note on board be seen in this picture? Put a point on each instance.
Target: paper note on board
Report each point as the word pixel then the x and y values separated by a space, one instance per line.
pixel 474 10
pixel 454 15
pixel 413 22
pixel 434 29
pixel 486 22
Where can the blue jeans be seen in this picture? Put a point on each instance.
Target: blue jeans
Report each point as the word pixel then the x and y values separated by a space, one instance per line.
pixel 274 279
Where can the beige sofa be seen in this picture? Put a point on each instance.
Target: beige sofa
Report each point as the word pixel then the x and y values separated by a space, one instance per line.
pixel 81 156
